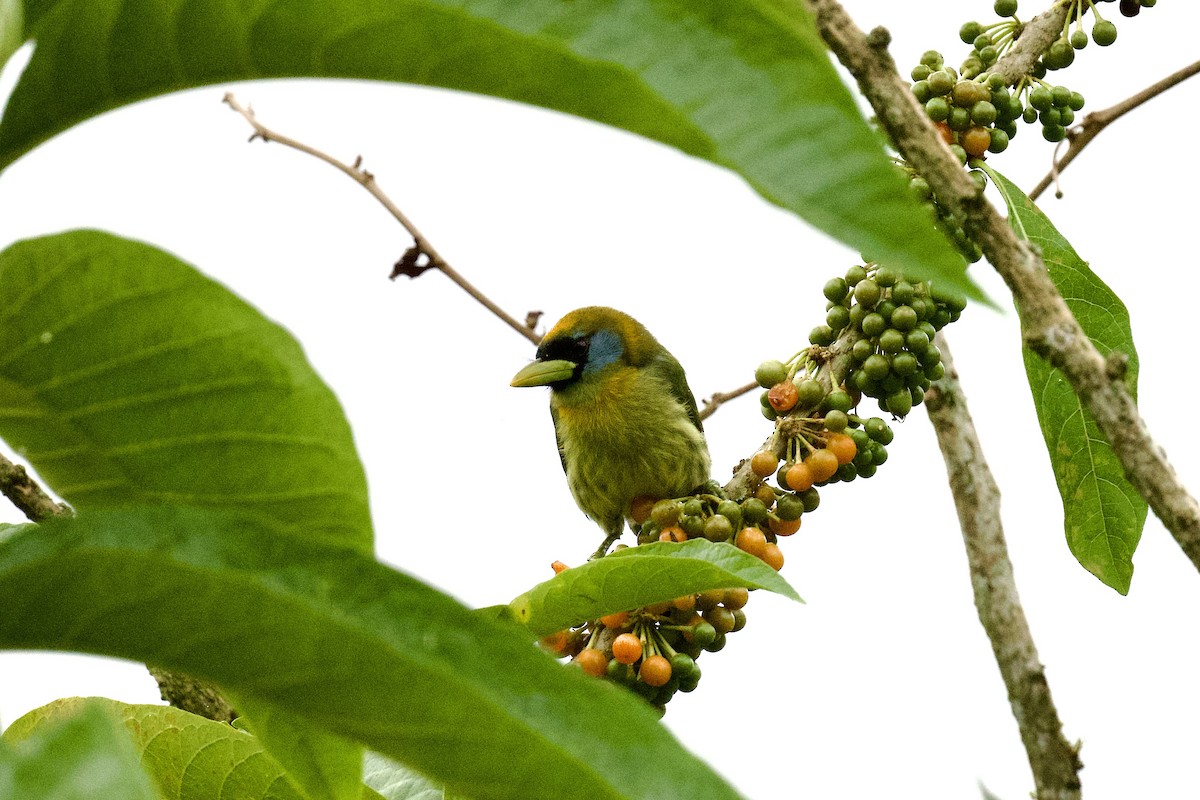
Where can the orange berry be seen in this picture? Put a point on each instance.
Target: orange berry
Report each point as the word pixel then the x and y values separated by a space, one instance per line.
pixel 558 567
pixel 556 643
pixel 783 527
pixel 618 620
pixel 752 541
pixel 783 396
pixel 656 671
pixel 823 464
pixel 736 598
pixel 773 556
pixel 841 446
pixel 627 648
pixel 673 534
pixel 946 133
pixel 640 508
pixel 658 609
pixel 976 141
pixel 799 477
pixel 766 495
pixel 592 661
pixel 685 603
pixel 764 463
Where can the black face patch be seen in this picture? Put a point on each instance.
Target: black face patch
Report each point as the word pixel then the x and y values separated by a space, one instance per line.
pixel 567 348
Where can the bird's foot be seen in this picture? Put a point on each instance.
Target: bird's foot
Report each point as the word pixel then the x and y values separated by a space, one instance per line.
pixel 602 550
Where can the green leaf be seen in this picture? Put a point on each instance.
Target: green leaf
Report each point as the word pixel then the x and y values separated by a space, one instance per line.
pixel 396 782
pixel 128 377
pixel 82 756
pixel 327 767
pixel 1103 513
pixel 745 84
pixel 640 576
pixel 189 757
pixel 349 645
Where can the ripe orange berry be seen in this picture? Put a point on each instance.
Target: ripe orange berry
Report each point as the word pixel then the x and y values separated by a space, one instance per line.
pixel 655 671
pixel 773 556
pixel 752 541
pixel 841 446
pixel 783 527
pixel 685 603
pixel 640 508
pixel 556 643
pixel 766 495
pixel 823 464
pixel 627 648
pixel 783 396
pixel 592 661
pixel 618 620
pixel 764 463
pixel 558 567
pixel 658 609
pixel 799 477
pixel 976 141
pixel 674 533
pixel 946 133
pixel 736 598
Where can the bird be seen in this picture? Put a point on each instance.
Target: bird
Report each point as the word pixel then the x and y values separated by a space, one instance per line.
pixel 625 419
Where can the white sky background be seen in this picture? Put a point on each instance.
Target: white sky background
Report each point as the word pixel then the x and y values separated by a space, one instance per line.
pixel 884 683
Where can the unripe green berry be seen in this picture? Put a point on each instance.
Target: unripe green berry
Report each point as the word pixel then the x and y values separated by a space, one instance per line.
pixel 836 290
pixel 983 113
pixel 867 292
pixel 1040 98
pixel 1079 39
pixel 836 420
pixel 809 393
pixel 999 141
pixel 1104 33
pixel 1005 8
pixel 938 109
pixel 969 31
pixel 718 528
pixel 855 274
pixel 887 276
pixel 940 83
pixel 789 506
pixel 770 373
pixel 920 72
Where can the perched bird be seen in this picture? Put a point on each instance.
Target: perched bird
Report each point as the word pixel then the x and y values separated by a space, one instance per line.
pixel 626 421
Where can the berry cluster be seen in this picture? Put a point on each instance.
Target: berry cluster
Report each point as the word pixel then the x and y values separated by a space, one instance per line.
pixel 716 518
pixel 653 650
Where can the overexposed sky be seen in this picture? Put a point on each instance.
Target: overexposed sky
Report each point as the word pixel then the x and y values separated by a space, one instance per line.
pixel 884 683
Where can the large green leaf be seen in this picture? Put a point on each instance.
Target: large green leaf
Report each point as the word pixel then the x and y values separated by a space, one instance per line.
pixel 349 645
pixel 641 576
pixel 128 377
pixel 746 84
pixel 189 757
pixel 326 766
pixel 1103 513
pixel 12 27
pixel 83 755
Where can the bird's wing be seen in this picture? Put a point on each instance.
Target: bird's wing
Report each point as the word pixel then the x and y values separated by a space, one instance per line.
pixel 672 370
pixel 562 456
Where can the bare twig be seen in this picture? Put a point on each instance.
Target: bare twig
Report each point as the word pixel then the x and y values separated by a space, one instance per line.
pixel 718 399
pixel 25 494
pixel 367 181
pixel 1048 327
pixel 1094 124
pixel 1054 761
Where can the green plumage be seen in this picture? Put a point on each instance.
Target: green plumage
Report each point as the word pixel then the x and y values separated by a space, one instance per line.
pixel 626 421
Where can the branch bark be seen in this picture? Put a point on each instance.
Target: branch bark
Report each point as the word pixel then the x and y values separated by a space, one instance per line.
pixel 1053 760
pixel 25 494
pixel 1047 325
pixel 365 179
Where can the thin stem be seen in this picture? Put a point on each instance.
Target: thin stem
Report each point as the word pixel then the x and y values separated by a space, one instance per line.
pixel 720 398
pixel 367 181
pixel 1095 123
pixel 26 494
pixel 1053 760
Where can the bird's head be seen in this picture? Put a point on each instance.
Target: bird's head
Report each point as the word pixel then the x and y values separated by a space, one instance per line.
pixel 584 345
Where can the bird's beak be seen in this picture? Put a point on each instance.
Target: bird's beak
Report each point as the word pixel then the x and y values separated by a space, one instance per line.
pixel 543 373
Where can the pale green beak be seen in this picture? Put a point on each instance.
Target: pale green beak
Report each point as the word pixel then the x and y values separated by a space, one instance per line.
pixel 542 373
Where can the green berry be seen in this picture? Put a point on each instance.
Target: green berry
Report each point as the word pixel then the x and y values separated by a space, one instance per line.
pixel 1060 55
pixel 899 403
pixel 999 141
pixel 754 511
pixel 916 340
pixel 983 113
pixel 836 421
pixel 1005 8
pixel 1104 33
pixel 1079 39
pixel 855 274
pixel 1054 133
pixel 969 31
pixel 905 364
pixel 867 293
pixel 903 292
pixel 837 317
pixel 982 41
pixel 1040 98
pixel 932 58
pixel 836 290
pixel 938 109
pixel 891 341
pixel 1030 115
pixel 887 276
pixel 822 335
pixel 1060 96
pixel 920 72
pixel 877 366
pixel 809 393
pixel 839 400
pixel 904 319
pixel 811 498
pixel 959 119
pixel 940 83
pixel 1076 102
pixel 718 528
pixel 861 350
pixel 770 373
pixel 789 506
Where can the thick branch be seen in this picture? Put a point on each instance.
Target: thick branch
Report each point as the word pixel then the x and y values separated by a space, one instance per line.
pixel 367 181
pixel 1095 123
pixel 1037 35
pixel 25 494
pixel 1048 326
pixel 1054 761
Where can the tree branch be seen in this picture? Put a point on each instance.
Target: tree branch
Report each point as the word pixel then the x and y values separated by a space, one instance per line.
pixel 720 398
pixel 25 494
pixel 1048 327
pixel 1094 124
pixel 1054 761
pixel 365 179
